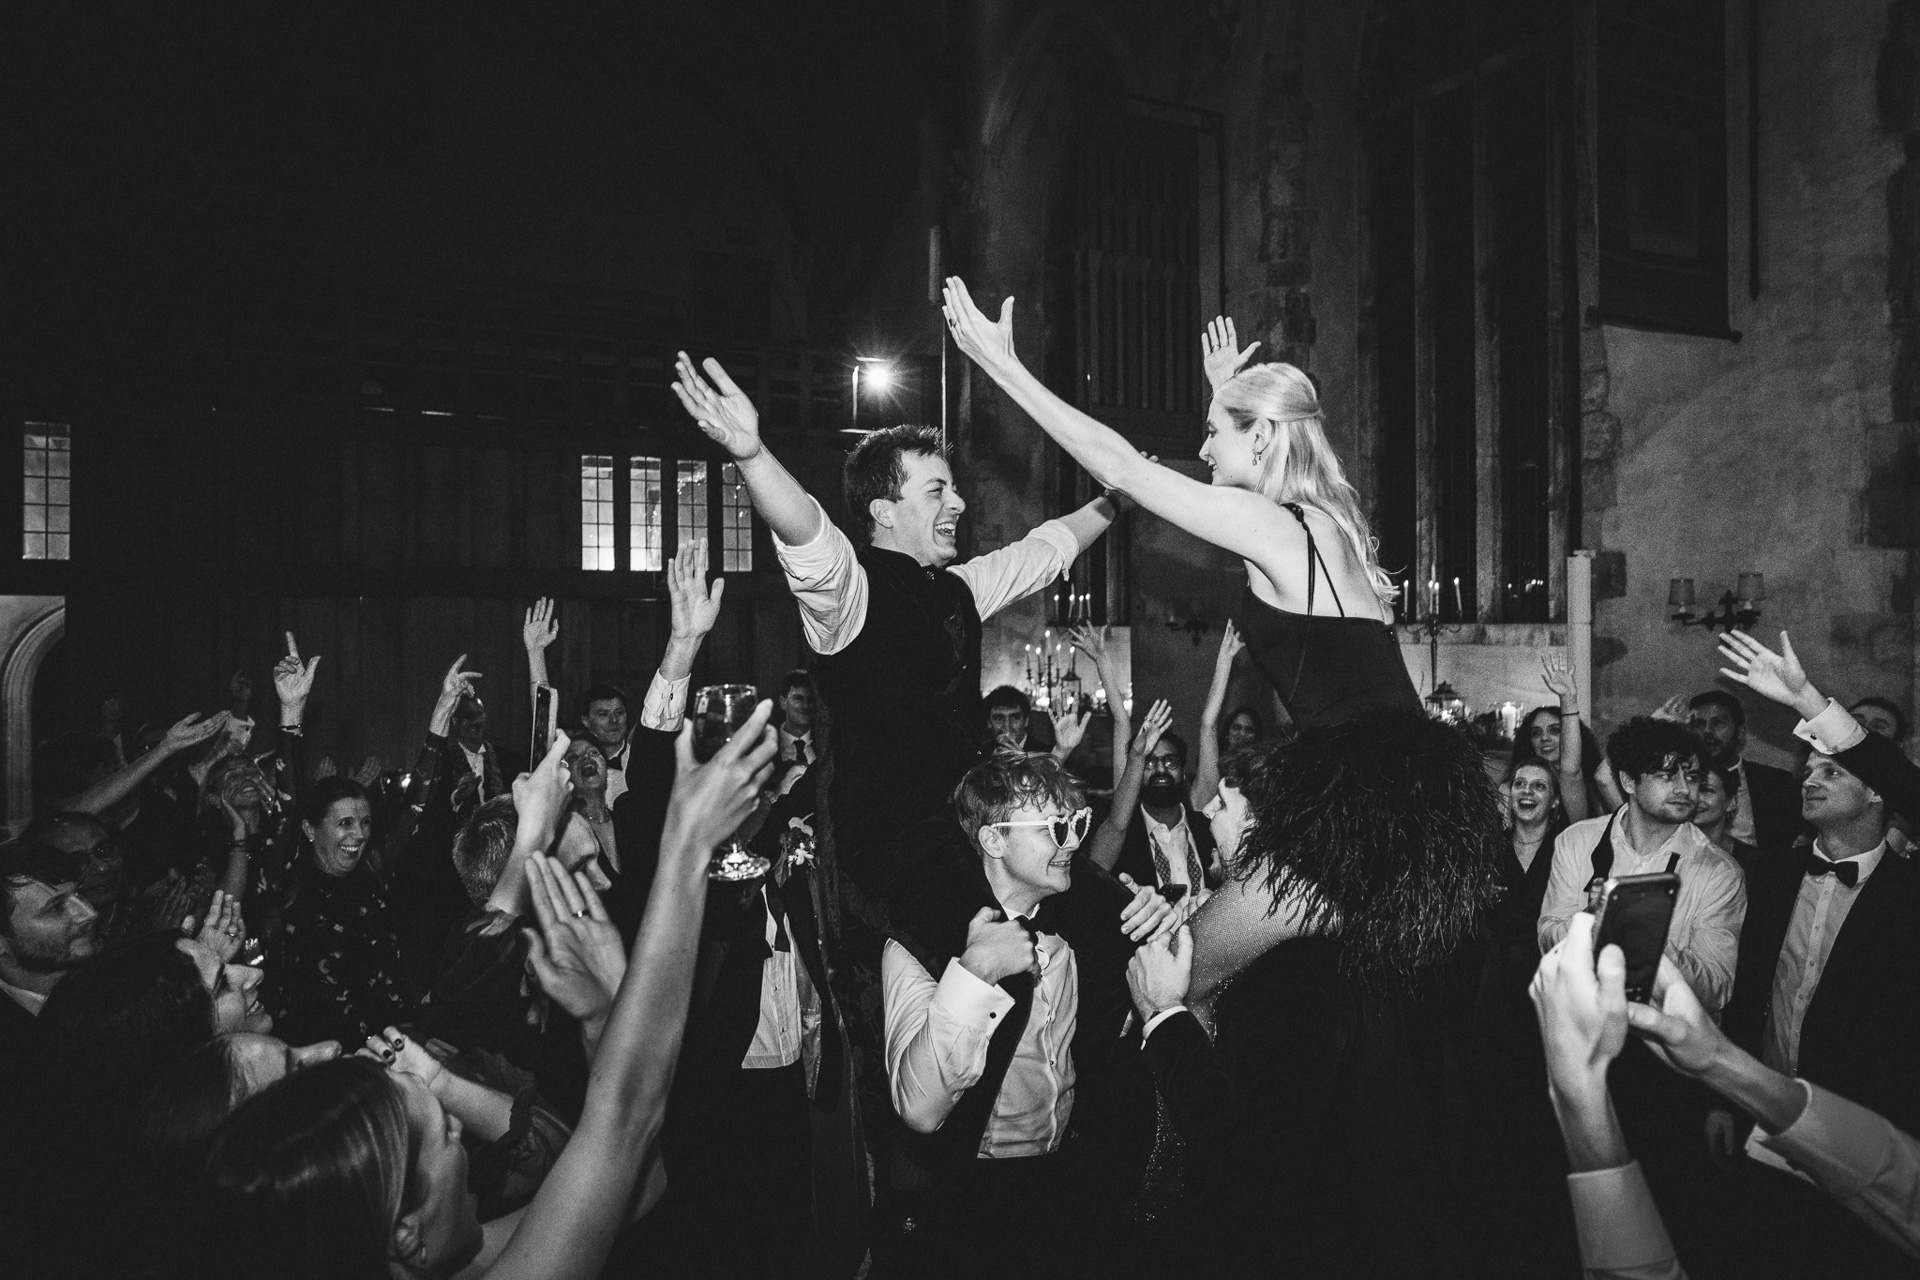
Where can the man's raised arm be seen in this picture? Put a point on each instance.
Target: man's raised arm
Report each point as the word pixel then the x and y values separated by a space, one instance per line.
pixel 1016 571
pixel 729 419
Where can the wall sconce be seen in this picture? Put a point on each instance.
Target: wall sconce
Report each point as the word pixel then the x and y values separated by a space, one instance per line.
pixel 1738 608
pixel 1183 615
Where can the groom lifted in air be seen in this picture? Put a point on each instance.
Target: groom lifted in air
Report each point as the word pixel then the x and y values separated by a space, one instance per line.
pixel 896 623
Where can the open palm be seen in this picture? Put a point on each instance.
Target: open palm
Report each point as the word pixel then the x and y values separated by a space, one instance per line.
pixel 720 408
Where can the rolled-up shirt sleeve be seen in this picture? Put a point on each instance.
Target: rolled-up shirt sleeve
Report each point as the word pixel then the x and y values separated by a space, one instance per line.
pixel 1860 1159
pixel 1621 1233
pixel 828 584
pixel 1566 893
pixel 1705 938
pixel 1017 570
pixel 936 1033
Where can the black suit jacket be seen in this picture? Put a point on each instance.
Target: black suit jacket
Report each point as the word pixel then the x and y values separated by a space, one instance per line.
pixel 1861 1034
pixel 1775 796
pixel 1136 851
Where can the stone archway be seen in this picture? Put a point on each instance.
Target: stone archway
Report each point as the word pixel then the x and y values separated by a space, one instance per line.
pixel 29 628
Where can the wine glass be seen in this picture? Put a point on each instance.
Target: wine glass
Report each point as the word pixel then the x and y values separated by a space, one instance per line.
pixel 718 711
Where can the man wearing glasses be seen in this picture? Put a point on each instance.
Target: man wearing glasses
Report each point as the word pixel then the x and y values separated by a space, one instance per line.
pixel 1658 763
pixel 1005 997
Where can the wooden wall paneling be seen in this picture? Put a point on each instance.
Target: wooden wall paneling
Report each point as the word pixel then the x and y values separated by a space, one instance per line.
pixel 513 516
pixel 605 658
pixel 348 521
pixel 777 639
pixel 491 509
pixel 466 512
pixel 257 505
pixel 415 511
pixel 346 703
pixel 437 513
pixel 191 530
pixel 384 509
pixel 570 659
pixel 316 498
pixel 551 503
pixel 382 692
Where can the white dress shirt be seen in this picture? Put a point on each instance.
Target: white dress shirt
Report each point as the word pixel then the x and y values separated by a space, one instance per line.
pixel 937 1034
pixel 1742 826
pixel 32 1001
pixel 831 587
pixel 1703 937
pixel 787 1002
pixel 1175 845
pixel 1853 1154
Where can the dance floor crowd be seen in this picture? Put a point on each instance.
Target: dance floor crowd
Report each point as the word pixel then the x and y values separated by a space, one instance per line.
pixel 1321 998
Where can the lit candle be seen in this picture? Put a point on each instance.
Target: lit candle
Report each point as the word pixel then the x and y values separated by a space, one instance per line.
pixel 1433 592
pixel 1458 608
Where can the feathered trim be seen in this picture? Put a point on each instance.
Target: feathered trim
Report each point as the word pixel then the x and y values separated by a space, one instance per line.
pixel 1389 829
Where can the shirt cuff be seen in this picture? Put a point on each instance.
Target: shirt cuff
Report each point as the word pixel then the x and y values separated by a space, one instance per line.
pixel 666 703
pixel 1828 1130
pixel 1618 1223
pixel 1159 1018
pixel 1832 731
pixel 1056 535
pixel 969 1001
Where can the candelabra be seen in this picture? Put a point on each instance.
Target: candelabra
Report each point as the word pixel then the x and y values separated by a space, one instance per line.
pixel 1738 608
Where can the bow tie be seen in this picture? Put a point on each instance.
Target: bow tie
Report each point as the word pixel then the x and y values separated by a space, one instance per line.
pixel 1847 873
pixel 1041 918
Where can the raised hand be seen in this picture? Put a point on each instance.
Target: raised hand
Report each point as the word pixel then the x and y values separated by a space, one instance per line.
pixel 576 953
pixel 696 603
pixel 1148 915
pixel 172 902
pixel 1582 1008
pixel 998 948
pixel 456 684
pixel 292 681
pixel 1069 727
pixel 988 343
pixel 1217 355
pixel 223 928
pixel 1152 726
pixel 369 771
pixel 325 768
pixel 1673 709
pixel 539 628
pixel 711 800
pixel 1777 676
pixel 722 409
pixel 1556 671
pixel 540 798
pixel 1160 971
pixel 1230 646
pixel 1090 641
pixel 191 731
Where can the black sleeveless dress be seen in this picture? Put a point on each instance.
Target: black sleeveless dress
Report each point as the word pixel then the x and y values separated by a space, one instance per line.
pixel 1326 670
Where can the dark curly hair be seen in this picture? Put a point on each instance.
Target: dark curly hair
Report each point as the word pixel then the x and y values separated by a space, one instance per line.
pixel 1388 829
pixel 1645 745
pixel 873 470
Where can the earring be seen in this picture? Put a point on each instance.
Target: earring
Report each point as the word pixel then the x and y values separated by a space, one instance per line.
pixel 1256 456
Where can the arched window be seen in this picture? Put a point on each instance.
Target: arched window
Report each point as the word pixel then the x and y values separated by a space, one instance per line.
pixel 1469 330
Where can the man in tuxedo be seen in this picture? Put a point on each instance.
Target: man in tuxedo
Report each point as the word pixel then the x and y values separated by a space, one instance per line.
pixel 1766 813
pixel 1167 843
pixel 1005 1003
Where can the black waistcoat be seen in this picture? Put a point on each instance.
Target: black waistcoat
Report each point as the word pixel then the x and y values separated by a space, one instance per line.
pixel 904 698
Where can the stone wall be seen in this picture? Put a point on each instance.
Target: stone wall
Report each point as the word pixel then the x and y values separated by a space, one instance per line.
pixel 1756 455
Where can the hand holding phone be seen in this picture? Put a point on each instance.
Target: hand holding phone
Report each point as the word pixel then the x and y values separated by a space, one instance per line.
pixel 1634 913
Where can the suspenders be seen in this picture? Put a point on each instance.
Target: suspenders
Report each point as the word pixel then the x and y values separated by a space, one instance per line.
pixel 1603 857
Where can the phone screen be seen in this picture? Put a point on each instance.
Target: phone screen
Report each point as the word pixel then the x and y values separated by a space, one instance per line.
pixel 545 717
pixel 1634 915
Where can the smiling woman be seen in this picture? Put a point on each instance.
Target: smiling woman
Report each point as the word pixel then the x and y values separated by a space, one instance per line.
pixel 335 964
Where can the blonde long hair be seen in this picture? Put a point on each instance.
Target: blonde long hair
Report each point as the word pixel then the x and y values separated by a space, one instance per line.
pixel 1301 465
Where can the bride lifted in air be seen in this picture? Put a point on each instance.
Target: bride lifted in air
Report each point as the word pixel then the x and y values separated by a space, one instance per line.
pixel 1318 607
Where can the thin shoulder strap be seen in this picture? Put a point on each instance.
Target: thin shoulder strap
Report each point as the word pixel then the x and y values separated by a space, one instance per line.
pixel 1314 558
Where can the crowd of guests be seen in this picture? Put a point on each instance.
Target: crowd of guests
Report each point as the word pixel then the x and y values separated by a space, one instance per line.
pixel 1322 999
